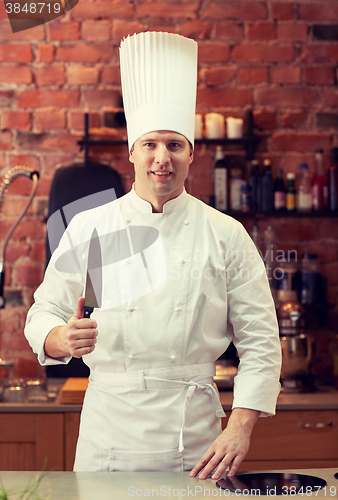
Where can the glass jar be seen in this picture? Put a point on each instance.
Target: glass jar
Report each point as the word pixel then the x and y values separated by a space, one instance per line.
pixel 286 279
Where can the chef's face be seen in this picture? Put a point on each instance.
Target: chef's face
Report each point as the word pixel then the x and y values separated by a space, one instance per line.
pixel 161 162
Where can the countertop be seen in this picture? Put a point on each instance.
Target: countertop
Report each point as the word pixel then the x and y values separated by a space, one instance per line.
pixel 325 398
pixel 126 485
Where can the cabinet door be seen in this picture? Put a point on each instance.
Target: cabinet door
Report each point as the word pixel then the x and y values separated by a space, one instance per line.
pixel 293 439
pixel 27 440
pixel 72 423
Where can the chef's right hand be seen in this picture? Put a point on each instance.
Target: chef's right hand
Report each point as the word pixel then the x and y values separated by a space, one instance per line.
pixel 77 338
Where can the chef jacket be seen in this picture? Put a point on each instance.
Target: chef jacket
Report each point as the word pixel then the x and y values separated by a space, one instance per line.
pixel 178 287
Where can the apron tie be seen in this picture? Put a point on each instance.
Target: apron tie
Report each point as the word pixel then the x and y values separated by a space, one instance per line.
pixel 192 386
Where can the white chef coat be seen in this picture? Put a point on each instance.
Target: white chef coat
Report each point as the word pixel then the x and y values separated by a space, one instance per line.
pixel 150 404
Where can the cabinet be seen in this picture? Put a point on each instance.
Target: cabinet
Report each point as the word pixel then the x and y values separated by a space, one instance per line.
pixel 27 440
pixel 293 440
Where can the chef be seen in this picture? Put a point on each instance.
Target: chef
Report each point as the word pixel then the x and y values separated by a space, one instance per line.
pixel 180 282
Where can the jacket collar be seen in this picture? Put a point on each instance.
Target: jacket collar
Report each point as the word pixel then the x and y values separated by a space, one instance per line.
pixel 169 207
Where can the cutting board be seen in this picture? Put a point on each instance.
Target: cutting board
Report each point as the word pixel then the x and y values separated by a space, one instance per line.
pixel 73 390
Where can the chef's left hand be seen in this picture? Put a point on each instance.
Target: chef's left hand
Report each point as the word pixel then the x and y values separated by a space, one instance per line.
pixel 230 448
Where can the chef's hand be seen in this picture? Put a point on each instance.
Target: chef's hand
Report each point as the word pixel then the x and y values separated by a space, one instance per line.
pixel 230 448
pixel 77 338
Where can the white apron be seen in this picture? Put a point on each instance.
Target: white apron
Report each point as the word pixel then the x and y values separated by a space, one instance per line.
pixel 155 420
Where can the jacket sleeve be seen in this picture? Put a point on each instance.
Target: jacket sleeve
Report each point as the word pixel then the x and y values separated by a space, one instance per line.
pixel 55 299
pixel 251 311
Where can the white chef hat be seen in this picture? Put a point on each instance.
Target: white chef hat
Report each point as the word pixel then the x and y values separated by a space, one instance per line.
pixel 159 80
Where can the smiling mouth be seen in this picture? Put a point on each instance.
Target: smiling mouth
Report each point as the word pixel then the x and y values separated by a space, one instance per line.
pixel 161 173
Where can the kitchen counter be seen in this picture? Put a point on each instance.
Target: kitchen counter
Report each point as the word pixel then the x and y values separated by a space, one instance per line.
pixel 324 399
pixel 125 485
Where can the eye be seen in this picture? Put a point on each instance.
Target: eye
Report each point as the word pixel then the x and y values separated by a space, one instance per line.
pixel 174 145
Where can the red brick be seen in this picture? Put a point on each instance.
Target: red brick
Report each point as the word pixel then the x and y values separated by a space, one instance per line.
pixel 39 251
pixel 96 30
pixel 13 205
pixel 99 98
pixel 292 32
pixel 50 75
pixel 36 98
pixel 16 249
pixel 262 53
pixel 7 34
pixel 5 140
pixel 10 321
pixel 29 274
pixel 80 52
pixel 214 98
pixel 45 53
pixel 318 11
pixel 198 30
pixel 282 11
pixel 213 52
pixel 265 120
pixel 261 30
pixel 332 52
pixel 315 53
pixel 63 30
pixel 29 160
pixel 17 75
pixel 45 142
pixel 230 30
pixel 159 24
pixel 19 120
pixel 122 28
pixel 302 142
pixel 6 98
pixel 79 75
pixel 236 10
pixel 217 75
pixel 76 120
pixel 330 270
pixel 286 96
pixel 53 161
pixel 163 9
pixel 49 119
pixel 286 74
pixel 109 9
pixel 111 74
pixel 294 119
pixel 252 74
pixel 330 97
pixel 320 75
pixel 16 53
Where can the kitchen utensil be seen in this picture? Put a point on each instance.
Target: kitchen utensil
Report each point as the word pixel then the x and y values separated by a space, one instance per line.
pixel 36 391
pixel 272 483
pixel 93 293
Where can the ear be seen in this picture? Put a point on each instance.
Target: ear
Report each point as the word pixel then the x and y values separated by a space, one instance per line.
pixel 131 155
pixel 191 156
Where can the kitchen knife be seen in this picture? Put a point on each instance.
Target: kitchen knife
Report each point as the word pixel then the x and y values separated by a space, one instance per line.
pixel 93 291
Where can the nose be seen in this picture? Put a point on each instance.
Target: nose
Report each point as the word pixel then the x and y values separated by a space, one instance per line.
pixel 162 156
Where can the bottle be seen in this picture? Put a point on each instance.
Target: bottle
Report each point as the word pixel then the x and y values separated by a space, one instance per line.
pixel 279 191
pixel 304 200
pixel 333 181
pixel 236 183
pixel 269 260
pixel 267 188
pixel 291 192
pixel 220 181
pixel 319 184
pixel 309 275
pixel 255 183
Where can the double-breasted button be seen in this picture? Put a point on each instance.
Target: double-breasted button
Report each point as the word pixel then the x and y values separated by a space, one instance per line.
pixel 131 357
pixel 178 309
pixel 186 223
pixel 173 357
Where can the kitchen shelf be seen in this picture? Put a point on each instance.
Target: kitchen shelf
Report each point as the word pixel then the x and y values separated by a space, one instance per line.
pixel 249 141
pixel 280 214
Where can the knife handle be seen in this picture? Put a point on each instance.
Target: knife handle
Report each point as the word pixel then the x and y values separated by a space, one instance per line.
pixel 87 311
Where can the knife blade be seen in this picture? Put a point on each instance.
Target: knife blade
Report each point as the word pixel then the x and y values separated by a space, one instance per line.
pixel 93 290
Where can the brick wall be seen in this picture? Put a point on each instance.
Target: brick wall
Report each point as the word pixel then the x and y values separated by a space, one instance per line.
pixel 278 58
